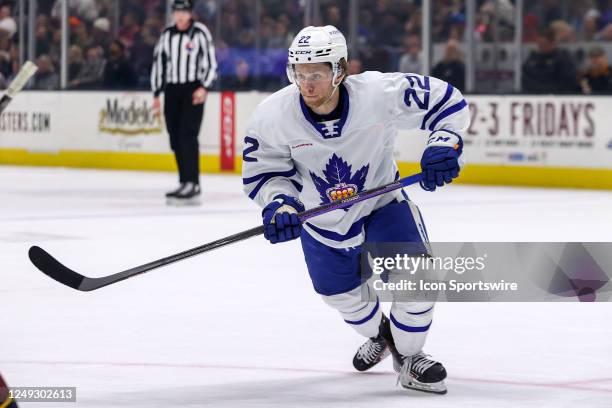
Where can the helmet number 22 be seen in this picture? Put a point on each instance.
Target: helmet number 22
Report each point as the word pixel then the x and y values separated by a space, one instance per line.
pixel 304 39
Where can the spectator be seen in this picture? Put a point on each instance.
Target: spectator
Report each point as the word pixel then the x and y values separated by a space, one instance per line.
pixel 231 27
pixel 590 24
pixel 5 55
pixel 205 10
pixel 100 33
pixel 75 61
pixel 141 54
pixel 7 23
pixel 549 69
pixel 551 12
pixel 605 34
pixel 280 37
pixel 79 34
pixel 355 66
pixel 333 16
pixel 242 81
pixel 92 71
pixel 376 58
pixel 266 31
pixel 598 77
pixel 388 30
pixel 55 48
pixel 46 78
pixel 530 28
pixel 43 39
pixel 84 9
pixel 410 61
pixel 118 74
pixel 451 69
pixel 130 28
pixel 564 33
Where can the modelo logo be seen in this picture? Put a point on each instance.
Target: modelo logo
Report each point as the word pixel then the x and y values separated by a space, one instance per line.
pixel 129 117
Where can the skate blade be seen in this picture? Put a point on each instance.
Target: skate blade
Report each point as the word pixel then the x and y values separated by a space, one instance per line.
pixel 183 202
pixel 433 388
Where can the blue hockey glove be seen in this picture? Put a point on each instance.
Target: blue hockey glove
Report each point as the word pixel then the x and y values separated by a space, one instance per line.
pixel 280 219
pixel 440 161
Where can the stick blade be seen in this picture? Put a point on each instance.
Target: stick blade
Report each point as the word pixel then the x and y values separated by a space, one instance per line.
pixel 23 76
pixel 54 269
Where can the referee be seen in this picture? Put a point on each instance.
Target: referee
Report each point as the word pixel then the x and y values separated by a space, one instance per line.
pixel 184 68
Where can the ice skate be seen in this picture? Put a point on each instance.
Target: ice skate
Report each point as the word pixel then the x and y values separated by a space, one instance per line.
pixel 189 195
pixel 420 372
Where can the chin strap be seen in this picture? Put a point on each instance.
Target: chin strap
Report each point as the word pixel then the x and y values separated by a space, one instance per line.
pixel 335 87
pixel 331 94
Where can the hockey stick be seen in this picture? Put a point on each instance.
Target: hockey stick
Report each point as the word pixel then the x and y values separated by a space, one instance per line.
pixel 54 269
pixel 23 76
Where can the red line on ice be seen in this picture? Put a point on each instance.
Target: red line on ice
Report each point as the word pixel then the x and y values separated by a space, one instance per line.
pixel 577 384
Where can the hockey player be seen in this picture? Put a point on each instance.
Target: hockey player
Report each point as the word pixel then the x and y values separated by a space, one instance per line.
pixel 329 135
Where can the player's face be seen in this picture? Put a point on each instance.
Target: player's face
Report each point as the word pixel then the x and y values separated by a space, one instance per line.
pixel 315 82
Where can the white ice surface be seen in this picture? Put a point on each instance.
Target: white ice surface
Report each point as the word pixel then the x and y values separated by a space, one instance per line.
pixel 242 327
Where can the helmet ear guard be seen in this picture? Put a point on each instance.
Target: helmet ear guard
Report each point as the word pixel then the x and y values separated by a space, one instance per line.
pixel 338 71
pixel 291 73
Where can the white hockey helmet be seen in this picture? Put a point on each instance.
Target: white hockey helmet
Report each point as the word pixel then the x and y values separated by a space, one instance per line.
pixel 317 44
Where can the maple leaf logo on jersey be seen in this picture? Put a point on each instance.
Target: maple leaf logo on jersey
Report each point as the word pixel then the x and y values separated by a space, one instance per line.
pixel 339 183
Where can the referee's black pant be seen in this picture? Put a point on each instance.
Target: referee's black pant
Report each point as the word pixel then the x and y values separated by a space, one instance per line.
pixel 183 121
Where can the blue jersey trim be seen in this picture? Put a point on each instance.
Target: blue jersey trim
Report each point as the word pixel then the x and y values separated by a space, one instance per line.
pixel 447 131
pixel 334 236
pixel 340 124
pixel 288 173
pixel 297 185
pixel 411 329
pixel 420 313
pixel 368 317
pixel 447 112
pixel 265 177
pixel 436 108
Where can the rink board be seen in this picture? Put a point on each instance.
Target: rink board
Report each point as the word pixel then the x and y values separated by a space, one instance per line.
pixel 512 140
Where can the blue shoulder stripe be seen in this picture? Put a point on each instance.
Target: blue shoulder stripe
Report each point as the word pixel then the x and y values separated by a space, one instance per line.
pixel 436 108
pixel 447 112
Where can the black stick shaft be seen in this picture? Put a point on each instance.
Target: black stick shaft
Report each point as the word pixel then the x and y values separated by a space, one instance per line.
pixel 56 270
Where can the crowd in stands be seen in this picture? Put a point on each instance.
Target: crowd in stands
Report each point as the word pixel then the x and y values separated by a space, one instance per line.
pixel 251 41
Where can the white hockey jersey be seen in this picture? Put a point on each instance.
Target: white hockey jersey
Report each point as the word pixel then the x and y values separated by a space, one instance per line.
pixel 287 152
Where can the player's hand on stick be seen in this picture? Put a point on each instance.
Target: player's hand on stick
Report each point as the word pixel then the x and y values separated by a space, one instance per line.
pixel 440 161
pixel 280 219
pixel 199 96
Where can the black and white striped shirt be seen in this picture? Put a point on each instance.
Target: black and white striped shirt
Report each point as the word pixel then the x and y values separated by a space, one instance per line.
pixel 184 56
